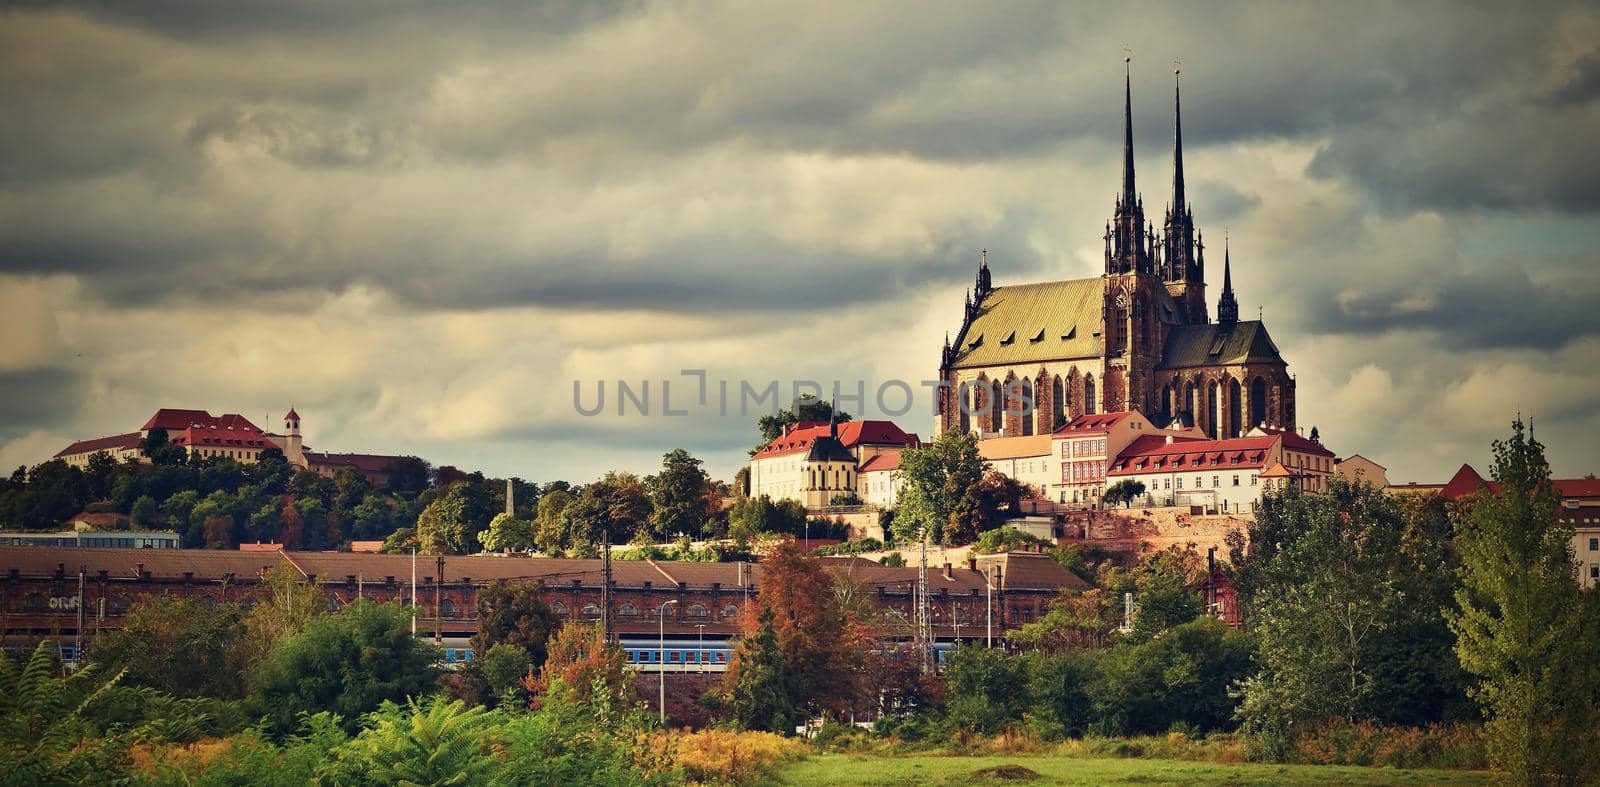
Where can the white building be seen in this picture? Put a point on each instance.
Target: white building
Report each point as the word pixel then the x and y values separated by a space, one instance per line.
pixel 878 480
pixel 814 463
pixel 1027 460
pixel 1226 476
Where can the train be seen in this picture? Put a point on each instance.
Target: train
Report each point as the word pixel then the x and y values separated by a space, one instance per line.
pixel 650 655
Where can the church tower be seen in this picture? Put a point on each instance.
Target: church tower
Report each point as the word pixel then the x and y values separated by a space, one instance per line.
pixel 1183 267
pixel 1133 330
pixel 293 449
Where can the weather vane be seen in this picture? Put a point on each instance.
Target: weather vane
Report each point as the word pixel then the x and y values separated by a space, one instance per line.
pixel 1177 66
pixel 1127 55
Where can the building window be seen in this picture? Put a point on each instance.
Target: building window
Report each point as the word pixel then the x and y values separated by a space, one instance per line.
pixel 730 611
pixel 628 611
pixel 1253 478
pixel 1594 571
pixel 1236 480
pixel 1180 483
pixel 558 608
pixel 1166 483
pixel 1216 481
pixel 697 610
pixel 1594 544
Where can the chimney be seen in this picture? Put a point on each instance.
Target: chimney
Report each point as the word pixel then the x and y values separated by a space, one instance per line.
pixel 1169 439
pixel 972 564
pixel 947 573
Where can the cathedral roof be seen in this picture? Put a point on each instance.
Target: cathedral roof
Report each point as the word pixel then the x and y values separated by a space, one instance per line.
pixel 1025 323
pixel 1215 344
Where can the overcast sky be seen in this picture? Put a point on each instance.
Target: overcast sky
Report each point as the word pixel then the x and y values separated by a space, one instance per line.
pixel 419 223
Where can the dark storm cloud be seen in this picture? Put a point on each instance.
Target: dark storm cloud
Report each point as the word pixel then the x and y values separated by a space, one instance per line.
pixel 34 398
pixel 1486 309
pixel 130 122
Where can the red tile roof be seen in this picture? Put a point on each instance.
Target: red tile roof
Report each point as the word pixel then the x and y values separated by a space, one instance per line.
pixel 882 462
pixel 366 463
pixel 175 420
pixel 1467 481
pixel 1150 456
pixel 130 440
pixel 222 437
pixel 851 433
pixel 1098 422
pixel 1294 442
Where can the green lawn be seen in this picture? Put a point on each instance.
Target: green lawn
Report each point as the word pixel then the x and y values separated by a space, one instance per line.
pixel 930 770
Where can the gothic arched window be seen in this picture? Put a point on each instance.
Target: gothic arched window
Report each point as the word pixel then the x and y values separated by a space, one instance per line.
pixel 1088 394
pixel 1058 401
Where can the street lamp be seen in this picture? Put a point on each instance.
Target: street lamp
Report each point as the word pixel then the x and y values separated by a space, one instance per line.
pixel 661 658
pixel 700 649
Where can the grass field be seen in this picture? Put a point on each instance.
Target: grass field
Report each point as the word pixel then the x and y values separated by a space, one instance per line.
pixel 843 769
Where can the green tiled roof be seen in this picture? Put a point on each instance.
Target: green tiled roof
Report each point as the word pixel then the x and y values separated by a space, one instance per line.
pixel 1024 323
pixel 1214 344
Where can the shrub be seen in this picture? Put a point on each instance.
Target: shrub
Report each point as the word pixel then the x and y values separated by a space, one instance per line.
pixel 722 756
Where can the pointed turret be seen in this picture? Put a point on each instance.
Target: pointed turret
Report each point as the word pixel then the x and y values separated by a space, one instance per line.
pixel 1179 201
pixel 983 284
pixel 1129 193
pixel 1128 250
pixel 1227 307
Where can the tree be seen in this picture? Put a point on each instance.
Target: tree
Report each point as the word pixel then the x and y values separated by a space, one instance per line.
pixel 823 647
pixel 617 504
pixel 284 605
pixel 176 645
pixel 939 483
pixel 514 615
pixel 503 669
pixel 552 528
pixel 679 495
pixel 1316 437
pixel 161 452
pixel 583 667
pixel 407 475
pixel 1520 626
pixel 508 534
pixel 1124 491
pixel 145 511
pixel 347 664
pixel 1186 676
pixel 445 526
pixel 1074 621
pixel 758 681
pixel 1327 582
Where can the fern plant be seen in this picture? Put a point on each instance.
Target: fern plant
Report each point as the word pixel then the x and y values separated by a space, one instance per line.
pixel 45 732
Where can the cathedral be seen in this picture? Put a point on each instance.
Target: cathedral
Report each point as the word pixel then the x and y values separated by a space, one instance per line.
pixel 1030 357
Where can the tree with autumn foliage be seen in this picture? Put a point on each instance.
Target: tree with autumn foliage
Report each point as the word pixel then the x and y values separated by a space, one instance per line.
pixel 582 666
pixel 823 646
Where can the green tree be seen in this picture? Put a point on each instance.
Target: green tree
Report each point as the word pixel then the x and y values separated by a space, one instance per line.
pixel 1520 625
pixel 515 615
pixel 285 604
pixel 1125 491
pixel 1328 581
pixel 145 512
pixel 986 689
pixel 617 504
pixel 679 495
pixel 552 528
pixel 939 484
pixel 508 534
pixel 176 645
pixel 504 667
pixel 347 664
pixel 758 681
pixel 1186 676
pixel 445 526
